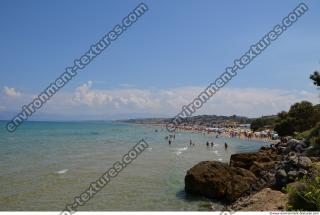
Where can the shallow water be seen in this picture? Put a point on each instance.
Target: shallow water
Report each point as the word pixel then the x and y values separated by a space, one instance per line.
pixel 45 164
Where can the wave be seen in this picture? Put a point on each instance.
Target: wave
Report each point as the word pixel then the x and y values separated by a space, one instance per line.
pixel 62 171
pixel 182 149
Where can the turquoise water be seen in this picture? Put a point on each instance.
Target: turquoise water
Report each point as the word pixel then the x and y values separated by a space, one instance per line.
pixel 43 165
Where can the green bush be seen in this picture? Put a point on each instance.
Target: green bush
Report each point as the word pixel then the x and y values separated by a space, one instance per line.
pixel 305 193
pixel 301 117
pixel 314 140
pixel 303 135
pixel 263 122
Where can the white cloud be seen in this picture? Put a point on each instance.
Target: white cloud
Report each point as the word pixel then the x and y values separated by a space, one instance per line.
pixel 87 101
pixel 11 92
pixel 134 98
pixel 241 101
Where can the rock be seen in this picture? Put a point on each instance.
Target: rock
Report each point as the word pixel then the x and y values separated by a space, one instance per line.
pixel 217 180
pixel 292 160
pixel 246 160
pixel 302 172
pixel 315 159
pixel 264 148
pixel 281 149
pixel 267 179
pixel 314 170
pixel 259 168
pixel 265 200
pixel 293 174
pixel 243 160
pixel 208 178
pixel 240 183
pixel 304 162
pixel 296 146
pixel 281 178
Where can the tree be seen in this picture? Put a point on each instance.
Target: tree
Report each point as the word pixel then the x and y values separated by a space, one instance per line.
pixel 263 122
pixel 304 114
pixel 256 124
pixel 301 117
pixel 316 78
pixel 285 127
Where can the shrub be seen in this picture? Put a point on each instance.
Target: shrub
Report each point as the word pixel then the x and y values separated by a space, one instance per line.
pixel 314 140
pixel 305 193
pixel 301 117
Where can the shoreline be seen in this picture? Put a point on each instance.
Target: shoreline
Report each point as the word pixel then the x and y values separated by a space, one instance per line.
pixel 211 133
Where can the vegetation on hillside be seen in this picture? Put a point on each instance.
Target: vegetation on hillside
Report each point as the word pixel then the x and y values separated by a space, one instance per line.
pixel 263 123
pixel 305 193
pixel 301 117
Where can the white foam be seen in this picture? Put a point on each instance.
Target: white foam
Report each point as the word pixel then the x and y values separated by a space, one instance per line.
pixel 62 171
pixel 182 149
pixel 178 153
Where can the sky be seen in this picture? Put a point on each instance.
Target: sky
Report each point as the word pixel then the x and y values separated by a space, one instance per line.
pixel 160 63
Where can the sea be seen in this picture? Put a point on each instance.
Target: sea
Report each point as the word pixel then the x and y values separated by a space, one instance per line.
pixel 44 165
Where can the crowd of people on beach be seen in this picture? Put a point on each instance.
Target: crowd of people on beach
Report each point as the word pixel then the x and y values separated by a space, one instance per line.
pixel 232 132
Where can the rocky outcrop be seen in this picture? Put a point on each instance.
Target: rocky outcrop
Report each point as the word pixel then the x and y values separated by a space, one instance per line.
pixel 256 162
pixel 275 168
pixel 246 160
pixel 251 176
pixel 217 180
pixel 265 200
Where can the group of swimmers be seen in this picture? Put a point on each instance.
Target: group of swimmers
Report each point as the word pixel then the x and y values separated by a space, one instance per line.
pixel 170 137
pixel 212 144
pixel 173 136
pixel 208 144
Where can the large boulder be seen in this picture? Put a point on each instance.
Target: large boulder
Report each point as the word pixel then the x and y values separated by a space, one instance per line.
pixel 217 180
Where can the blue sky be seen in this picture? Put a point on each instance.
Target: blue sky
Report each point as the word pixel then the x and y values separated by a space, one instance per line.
pixel 160 63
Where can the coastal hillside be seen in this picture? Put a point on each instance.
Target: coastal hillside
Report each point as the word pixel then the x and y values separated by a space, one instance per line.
pixel 203 120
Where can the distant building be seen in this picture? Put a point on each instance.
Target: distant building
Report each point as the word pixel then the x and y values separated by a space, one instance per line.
pixel 244 125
